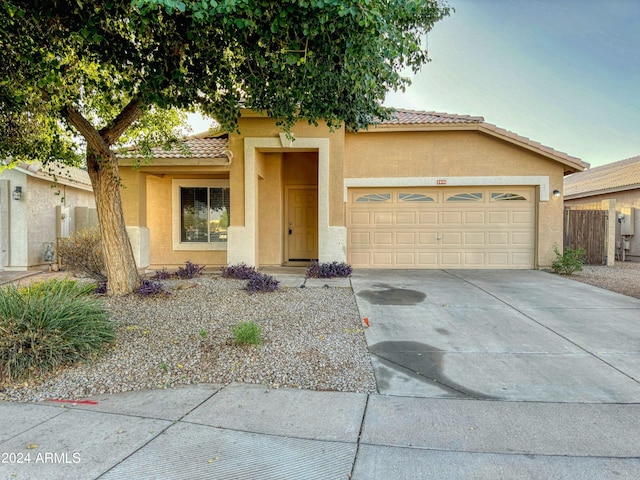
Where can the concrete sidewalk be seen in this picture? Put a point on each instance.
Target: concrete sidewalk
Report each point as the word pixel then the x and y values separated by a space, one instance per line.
pixel 248 432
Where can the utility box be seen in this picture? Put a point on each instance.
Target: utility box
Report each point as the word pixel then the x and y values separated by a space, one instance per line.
pixel 627 223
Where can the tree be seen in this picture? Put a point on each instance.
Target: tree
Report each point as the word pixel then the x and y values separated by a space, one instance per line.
pixel 97 67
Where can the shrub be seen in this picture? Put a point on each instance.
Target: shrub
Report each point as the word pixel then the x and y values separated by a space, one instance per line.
pixel 47 325
pixel 163 274
pixel 82 253
pixel 260 282
pixel 149 287
pixel 190 270
pixel 568 262
pixel 239 271
pixel 329 270
pixel 247 333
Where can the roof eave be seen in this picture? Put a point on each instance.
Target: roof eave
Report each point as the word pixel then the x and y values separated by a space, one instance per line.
pixel 594 193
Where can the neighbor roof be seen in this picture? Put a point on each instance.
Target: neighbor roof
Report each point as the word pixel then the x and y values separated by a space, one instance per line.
pixel 202 145
pixel 612 177
pixel 58 173
pixel 410 119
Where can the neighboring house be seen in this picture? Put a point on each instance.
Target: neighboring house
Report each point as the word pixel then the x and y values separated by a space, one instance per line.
pixel 424 190
pixel 35 211
pixel 614 187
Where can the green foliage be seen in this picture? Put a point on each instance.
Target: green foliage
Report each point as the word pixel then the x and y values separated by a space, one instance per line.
pixel 47 325
pixel 81 253
pixel 247 333
pixel 568 262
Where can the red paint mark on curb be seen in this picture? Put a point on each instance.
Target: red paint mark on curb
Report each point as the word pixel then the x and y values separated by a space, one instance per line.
pixel 80 402
pixel 366 321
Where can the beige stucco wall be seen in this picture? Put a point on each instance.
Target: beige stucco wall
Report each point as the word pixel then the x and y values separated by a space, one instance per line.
pixel 622 202
pixel 34 217
pixel 449 154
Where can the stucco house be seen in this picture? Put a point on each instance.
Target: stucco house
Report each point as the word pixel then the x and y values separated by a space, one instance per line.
pixel 37 206
pixel 423 190
pixel 614 187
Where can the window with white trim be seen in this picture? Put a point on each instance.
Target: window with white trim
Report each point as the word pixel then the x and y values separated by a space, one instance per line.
pixel 201 214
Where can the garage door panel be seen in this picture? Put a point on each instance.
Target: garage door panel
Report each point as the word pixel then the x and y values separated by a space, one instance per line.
pixel 474 218
pixel 382 238
pixel 452 218
pixel 449 259
pixel 360 238
pixel 427 259
pixel 405 218
pixel 383 218
pixel 498 238
pixel 474 238
pixel 427 238
pixel 500 217
pixel 480 230
pixel 452 238
pixel 521 218
pixel 428 218
pixel 382 259
pixel 474 259
pixel 405 259
pixel 360 218
pixel 406 238
pixel 521 238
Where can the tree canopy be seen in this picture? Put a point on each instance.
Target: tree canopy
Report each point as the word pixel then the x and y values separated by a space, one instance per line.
pixel 102 68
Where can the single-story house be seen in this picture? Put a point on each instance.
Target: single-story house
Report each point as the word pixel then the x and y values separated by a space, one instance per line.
pixel 423 190
pixel 37 206
pixel 614 187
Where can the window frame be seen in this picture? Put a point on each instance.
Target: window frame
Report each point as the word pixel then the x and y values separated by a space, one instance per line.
pixel 177 184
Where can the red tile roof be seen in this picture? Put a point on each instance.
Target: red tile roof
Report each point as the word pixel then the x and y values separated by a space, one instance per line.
pixel 202 145
pixel 616 176
pixel 414 117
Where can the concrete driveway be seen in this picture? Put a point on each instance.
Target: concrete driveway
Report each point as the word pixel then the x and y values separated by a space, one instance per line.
pixel 504 335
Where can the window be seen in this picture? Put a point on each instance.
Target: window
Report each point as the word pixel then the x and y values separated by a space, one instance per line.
pixel 414 197
pixel 506 196
pixel 374 197
pixel 204 214
pixel 465 197
pixel 201 214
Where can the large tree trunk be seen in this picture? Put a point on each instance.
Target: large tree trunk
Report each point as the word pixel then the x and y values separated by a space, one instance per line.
pixel 102 165
pixel 122 274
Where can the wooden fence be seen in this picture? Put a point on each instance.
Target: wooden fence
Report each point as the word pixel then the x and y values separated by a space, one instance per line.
pixel 587 229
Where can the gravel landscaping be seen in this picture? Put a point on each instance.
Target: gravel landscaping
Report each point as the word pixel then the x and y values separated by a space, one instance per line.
pixel 312 339
pixel 623 277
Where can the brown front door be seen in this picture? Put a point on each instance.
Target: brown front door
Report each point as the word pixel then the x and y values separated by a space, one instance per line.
pixel 302 224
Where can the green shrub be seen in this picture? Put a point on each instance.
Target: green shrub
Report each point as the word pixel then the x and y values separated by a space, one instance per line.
pixel 82 253
pixel 569 262
pixel 247 333
pixel 49 324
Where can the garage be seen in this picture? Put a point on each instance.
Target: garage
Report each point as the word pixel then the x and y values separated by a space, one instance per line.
pixel 442 227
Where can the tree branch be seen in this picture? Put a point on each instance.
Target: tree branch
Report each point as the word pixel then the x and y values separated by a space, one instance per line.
pixel 95 142
pixel 125 118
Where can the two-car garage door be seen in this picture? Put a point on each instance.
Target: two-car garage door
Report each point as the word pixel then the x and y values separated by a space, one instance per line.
pixel 446 227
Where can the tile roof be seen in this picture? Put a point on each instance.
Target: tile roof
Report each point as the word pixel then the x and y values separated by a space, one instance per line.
pixel 621 175
pixel 202 145
pixel 61 173
pixel 414 117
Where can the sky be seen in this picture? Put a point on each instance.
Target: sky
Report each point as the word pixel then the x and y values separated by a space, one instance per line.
pixel 565 73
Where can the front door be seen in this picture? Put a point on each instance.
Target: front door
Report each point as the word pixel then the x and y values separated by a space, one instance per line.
pixel 302 224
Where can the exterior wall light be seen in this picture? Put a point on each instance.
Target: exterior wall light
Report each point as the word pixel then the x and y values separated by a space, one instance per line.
pixel 17 193
pixel 556 194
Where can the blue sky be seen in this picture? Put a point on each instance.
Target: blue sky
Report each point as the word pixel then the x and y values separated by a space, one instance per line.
pixel 565 73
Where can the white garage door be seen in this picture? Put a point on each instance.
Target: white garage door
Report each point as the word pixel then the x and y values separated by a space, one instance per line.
pixel 446 227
